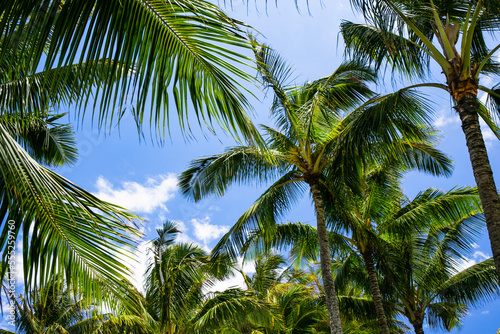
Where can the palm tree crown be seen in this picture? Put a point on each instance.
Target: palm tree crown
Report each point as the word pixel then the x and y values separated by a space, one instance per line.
pixel 326 132
pixel 410 35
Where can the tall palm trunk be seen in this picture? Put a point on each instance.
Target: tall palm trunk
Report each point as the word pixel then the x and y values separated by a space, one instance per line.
pixel 467 110
pixel 375 290
pixel 325 260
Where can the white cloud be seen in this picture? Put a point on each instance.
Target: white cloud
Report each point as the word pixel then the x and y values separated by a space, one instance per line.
pixel 139 264
pixel 474 245
pixel 147 197
pixel 465 262
pixel 205 231
pixel 445 118
pixel 485 312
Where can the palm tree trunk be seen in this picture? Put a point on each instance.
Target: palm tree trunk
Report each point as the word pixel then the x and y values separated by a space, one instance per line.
pixel 467 110
pixel 326 263
pixel 418 325
pixel 375 290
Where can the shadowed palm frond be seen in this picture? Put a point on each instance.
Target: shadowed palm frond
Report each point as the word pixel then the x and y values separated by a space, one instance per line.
pixel 43 139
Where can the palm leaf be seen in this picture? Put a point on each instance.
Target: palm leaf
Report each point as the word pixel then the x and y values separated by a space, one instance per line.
pixel 182 53
pixel 272 204
pixel 65 230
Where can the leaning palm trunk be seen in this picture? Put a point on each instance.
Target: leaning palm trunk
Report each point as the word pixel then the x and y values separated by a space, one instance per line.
pixel 467 110
pixel 326 267
pixel 375 290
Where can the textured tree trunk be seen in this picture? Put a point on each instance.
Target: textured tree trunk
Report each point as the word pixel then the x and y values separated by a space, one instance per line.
pixel 326 263
pixel 467 110
pixel 418 324
pixel 375 290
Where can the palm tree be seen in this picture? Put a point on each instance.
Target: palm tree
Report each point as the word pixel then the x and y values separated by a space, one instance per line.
pixel 179 52
pixel 434 288
pixel 320 140
pixel 382 209
pixel 53 309
pixel 404 34
pixel 176 281
pixel 289 302
pixel 363 222
pixel 425 238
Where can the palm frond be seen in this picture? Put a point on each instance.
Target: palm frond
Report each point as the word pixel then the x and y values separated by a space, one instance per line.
pixel 65 230
pixel 182 53
pixel 212 175
pixel 272 204
pixel 436 207
pixel 43 138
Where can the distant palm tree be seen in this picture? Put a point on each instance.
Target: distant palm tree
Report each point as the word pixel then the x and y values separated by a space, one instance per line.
pixel 295 305
pixel 177 280
pixel 326 131
pixel 434 288
pixel 52 309
pixel 410 35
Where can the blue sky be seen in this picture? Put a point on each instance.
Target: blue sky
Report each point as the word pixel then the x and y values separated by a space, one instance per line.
pixel 141 176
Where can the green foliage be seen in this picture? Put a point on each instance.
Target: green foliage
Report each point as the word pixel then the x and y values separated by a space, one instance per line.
pixel 64 230
pixel 320 135
pixel 54 309
pixel 184 54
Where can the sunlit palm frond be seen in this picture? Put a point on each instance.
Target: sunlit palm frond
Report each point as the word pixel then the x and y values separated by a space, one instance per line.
pixel 212 175
pixel 234 306
pixel 183 54
pixel 65 230
pixel 436 207
pixel 32 94
pixel 474 285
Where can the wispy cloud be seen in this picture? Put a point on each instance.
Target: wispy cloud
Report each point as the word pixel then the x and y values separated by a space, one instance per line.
pixel 137 197
pixel 478 256
pixel 446 118
pixel 205 231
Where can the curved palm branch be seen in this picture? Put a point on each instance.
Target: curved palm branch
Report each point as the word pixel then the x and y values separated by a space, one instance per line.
pixel 65 230
pixel 33 94
pixel 435 207
pixel 47 141
pixel 212 175
pixel 272 204
pixel 234 306
pixel 181 52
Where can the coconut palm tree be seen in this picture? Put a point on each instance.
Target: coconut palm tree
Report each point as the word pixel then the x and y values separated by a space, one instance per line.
pixel 325 134
pixel 182 53
pixel 54 309
pixel 411 35
pixel 417 246
pixel 382 209
pixel 177 280
pixel 434 288
pixel 293 303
